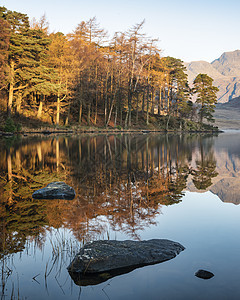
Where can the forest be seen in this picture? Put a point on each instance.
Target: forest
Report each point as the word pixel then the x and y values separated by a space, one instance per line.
pixel 85 78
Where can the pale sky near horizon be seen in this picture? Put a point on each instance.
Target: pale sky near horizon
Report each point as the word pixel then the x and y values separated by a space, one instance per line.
pixel 186 29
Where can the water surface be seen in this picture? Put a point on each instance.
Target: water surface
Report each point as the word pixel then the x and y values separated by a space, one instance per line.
pixel 180 187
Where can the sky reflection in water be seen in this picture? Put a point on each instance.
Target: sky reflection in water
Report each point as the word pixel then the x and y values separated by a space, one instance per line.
pixel 128 187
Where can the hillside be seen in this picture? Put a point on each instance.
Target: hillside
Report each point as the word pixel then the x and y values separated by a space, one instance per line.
pixel 227 115
pixel 225 71
pixel 228 63
pixel 196 67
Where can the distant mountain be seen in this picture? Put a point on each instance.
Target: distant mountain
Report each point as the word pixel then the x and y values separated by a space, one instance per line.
pixel 232 104
pixel 196 67
pixel 228 63
pixel 225 71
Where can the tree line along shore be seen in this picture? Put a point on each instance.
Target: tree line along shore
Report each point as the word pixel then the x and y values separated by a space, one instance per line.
pixel 85 79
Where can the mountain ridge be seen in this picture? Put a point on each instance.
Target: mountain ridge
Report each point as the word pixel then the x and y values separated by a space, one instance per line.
pixel 225 72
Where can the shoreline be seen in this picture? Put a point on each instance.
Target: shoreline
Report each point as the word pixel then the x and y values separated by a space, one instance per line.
pixel 106 131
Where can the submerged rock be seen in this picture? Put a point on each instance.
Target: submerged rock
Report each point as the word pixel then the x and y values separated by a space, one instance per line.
pixel 204 274
pixel 55 190
pixel 118 257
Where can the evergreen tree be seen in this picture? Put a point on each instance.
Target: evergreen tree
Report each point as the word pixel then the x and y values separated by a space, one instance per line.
pixel 206 96
pixel 26 57
pixel 178 89
pixel 19 24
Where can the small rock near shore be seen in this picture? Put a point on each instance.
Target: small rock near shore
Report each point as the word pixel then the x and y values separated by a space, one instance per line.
pixel 204 274
pixel 55 190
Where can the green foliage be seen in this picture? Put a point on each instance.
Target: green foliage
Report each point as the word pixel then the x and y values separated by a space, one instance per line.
pixel 9 125
pixel 191 125
pixel 206 96
pixel 205 171
pixel 18 127
pixel 177 83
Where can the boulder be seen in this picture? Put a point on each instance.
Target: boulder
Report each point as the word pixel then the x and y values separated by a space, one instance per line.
pixel 111 258
pixel 204 274
pixel 55 190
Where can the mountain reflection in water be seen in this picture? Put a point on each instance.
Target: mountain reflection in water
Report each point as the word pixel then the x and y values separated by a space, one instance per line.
pixel 121 182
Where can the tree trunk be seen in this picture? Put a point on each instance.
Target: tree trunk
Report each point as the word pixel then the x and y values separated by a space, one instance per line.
pixel 19 102
pixel 106 101
pixel 160 101
pixel 148 105
pixel 164 102
pixel 96 95
pixel 169 115
pixel 68 113
pixel 80 113
pixel 126 119
pixel 115 119
pixel 137 109
pixel 39 113
pixel 96 111
pixel 121 113
pixel 11 85
pixel 130 112
pixel 143 101
pixel 58 110
pixel 128 115
pixel 168 100
pixel 89 114
pixel 153 102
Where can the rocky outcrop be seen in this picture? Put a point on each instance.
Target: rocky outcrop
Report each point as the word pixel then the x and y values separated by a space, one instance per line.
pixel 111 257
pixel 55 190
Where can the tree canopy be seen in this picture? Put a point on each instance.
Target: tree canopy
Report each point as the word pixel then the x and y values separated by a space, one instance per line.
pixel 85 77
pixel 206 96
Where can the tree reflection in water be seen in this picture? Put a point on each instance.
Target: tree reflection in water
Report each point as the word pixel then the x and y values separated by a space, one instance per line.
pixel 205 167
pixel 121 181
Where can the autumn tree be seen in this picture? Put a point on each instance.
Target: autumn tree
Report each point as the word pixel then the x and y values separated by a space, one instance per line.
pixel 135 51
pixel 60 59
pixel 4 45
pixel 86 45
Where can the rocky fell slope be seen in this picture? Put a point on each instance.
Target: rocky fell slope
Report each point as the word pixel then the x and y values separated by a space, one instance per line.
pixel 225 71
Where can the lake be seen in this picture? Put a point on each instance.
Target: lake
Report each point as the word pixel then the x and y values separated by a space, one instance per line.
pixel 185 188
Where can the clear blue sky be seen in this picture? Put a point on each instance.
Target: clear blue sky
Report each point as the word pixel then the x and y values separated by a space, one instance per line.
pixel 187 29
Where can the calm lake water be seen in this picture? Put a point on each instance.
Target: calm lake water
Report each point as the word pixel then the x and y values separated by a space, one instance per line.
pixel 185 188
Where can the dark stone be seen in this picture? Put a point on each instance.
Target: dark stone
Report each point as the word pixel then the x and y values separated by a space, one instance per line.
pixel 55 190
pixel 204 274
pixel 100 260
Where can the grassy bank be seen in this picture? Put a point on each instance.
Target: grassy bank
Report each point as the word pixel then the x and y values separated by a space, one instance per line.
pixel 22 124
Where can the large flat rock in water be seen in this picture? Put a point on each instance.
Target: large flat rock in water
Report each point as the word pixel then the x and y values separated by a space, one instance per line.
pixel 55 190
pixel 107 256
